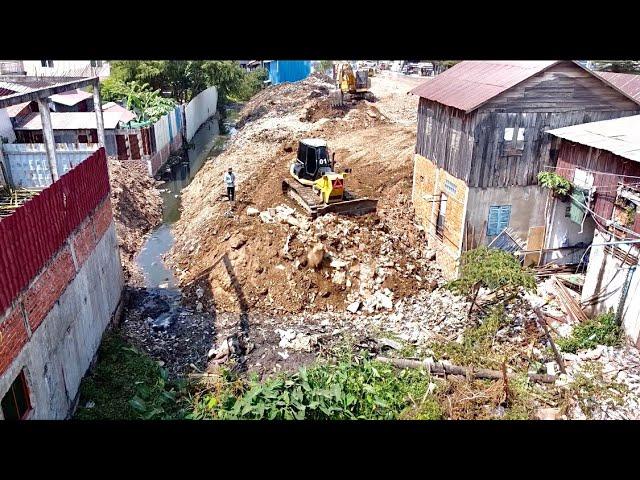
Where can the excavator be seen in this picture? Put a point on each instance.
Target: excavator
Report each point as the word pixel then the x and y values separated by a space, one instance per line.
pixel 351 86
pixel 318 188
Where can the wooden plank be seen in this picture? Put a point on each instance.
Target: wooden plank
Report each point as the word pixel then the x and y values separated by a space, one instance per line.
pixel 535 241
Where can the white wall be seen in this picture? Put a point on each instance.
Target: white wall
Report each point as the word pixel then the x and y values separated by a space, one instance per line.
pixel 199 109
pixel 563 232
pixel 606 274
pixel 6 129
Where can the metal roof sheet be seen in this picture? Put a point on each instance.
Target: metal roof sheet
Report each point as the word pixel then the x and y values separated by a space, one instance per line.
pixel 70 121
pixel 14 110
pixel 70 98
pixel 627 82
pixel 620 136
pixel 470 83
pixel 125 115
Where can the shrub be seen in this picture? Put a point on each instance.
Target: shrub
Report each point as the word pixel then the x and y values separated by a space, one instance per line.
pixel 601 330
pixel 354 388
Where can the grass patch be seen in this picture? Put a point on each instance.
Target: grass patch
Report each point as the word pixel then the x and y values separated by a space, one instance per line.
pixel 353 388
pixel 601 330
pixel 127 384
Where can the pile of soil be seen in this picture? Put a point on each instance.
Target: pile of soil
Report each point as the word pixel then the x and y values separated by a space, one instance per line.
pixel 244 263
pixel 137 208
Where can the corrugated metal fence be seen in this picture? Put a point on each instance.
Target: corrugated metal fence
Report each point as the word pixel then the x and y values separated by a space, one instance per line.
pixel 27 163
pixel 35 231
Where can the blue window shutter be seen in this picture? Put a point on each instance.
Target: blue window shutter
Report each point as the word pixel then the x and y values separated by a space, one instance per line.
pixel 499 217
pixel 505 216
pixel 492 223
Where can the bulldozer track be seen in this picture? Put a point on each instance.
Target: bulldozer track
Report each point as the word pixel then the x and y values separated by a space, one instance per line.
pixel 314 206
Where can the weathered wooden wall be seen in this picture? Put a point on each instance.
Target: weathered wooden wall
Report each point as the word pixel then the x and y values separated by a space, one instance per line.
pixel 470 146
pixel 572 156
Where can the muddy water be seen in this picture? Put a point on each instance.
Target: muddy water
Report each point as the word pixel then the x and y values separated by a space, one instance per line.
pixel 207 143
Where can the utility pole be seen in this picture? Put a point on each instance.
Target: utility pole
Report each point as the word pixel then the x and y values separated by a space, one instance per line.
pixel 49 140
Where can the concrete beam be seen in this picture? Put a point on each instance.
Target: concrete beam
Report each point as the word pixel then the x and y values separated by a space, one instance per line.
pixel 45 92
pixel 47 133
pixel 97 107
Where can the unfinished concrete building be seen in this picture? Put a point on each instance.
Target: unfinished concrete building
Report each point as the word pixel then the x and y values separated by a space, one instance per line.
pixel 481 142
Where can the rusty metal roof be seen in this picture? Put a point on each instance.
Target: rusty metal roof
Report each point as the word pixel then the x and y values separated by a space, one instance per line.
pixel 470 83
pixel 620 136
pixel 626 82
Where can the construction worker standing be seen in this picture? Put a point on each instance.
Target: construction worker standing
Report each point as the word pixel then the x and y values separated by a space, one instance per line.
pixel 230 182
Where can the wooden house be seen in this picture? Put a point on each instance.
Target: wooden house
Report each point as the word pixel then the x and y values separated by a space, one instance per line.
pixel 481 142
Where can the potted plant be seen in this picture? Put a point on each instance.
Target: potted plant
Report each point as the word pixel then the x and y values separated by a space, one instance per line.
pixel 559 186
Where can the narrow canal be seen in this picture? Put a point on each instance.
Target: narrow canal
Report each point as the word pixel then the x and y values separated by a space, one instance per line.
pixel 207 143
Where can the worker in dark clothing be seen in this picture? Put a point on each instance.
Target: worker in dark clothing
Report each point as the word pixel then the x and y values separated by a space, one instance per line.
pixel 230 182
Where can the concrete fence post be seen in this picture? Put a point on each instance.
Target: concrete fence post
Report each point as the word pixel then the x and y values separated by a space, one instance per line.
pixel 49 140
pixel 97 107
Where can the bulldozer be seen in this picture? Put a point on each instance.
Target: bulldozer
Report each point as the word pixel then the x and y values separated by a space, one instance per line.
pixel 351 85
pixel 318 188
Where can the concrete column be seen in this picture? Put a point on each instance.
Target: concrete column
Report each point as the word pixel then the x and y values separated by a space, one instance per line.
pixel 97 106
pixel 47 133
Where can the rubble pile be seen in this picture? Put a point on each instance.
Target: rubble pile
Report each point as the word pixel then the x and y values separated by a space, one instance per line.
pixel 137 208
pixel 612 389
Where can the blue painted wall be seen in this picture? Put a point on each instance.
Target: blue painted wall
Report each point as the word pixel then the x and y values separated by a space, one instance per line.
pixel 288 70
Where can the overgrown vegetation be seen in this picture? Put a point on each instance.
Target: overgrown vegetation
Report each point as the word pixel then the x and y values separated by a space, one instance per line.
pixel 476 348
pixel 353 388
pixel 494 269
pixel 618 66
pixel 592 390
pixel 555 182
pixel 127 385
pixel 184 79
pixel 601 330
pixel 148 104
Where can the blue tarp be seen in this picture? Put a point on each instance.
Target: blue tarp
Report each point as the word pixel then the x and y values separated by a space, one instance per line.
pixel 288 70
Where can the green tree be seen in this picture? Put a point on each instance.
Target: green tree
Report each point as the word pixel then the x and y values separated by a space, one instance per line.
pixel 617 66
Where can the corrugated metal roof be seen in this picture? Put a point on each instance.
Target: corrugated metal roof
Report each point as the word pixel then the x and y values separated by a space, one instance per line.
pixel 70 121
pixel 620 136
pixel 14 88
pixel 14 110
pixel 125 115
pixel 470 83
pixel 627 82
pixel 70 98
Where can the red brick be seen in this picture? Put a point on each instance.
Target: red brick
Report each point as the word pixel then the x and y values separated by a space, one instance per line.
pixel 44 293
pixel 13 336
pixel 84 242
pixel 102 218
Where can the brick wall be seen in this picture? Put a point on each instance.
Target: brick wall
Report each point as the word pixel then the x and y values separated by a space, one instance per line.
pixel 32 306
pixel 13 336
pixel 429 182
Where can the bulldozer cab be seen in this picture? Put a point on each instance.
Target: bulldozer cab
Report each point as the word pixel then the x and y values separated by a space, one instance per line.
pixel 314 156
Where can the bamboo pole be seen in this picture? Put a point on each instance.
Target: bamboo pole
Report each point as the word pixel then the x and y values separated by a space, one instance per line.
pixel 439 368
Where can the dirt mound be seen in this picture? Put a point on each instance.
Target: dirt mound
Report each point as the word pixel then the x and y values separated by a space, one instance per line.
pixel 260 262
pixel 137 208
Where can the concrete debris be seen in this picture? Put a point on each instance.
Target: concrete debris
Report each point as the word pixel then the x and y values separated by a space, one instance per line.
pixel 199 292
pixel 252 212
pixel 354 306
pixel 387 342
pixel 266 217
pixel 238 242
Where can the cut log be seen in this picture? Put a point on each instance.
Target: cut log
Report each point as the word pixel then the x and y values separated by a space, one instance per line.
pixel 439 368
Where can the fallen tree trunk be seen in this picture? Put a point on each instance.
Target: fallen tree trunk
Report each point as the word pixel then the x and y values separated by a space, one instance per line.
pixel 439 368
